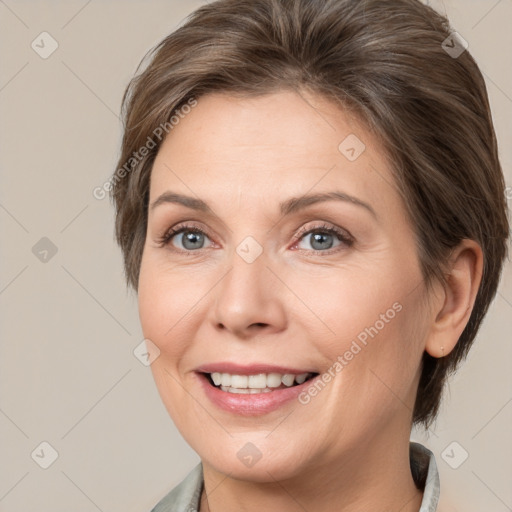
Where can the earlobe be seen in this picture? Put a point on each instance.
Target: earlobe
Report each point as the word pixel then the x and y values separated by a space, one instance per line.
pixel 462 284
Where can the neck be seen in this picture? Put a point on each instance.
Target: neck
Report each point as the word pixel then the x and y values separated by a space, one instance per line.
pixel 373 477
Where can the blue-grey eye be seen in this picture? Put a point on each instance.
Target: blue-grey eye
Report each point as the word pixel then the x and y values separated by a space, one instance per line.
pixel 190 240
pixel 320 239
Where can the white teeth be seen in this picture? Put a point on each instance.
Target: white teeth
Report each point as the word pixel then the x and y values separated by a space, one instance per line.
pixel 288 379
pixel 273 380
pixel 247 391
pixel 240 381
pixel 226 379
pixel 256 383
pixel 301 378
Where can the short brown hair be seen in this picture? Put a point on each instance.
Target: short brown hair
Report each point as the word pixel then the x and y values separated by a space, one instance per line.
pixel 388 61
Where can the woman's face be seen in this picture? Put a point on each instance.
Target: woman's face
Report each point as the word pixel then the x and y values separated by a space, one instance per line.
pixel 281 280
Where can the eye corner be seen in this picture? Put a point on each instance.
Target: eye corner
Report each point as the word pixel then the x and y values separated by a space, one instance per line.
pixel 342 235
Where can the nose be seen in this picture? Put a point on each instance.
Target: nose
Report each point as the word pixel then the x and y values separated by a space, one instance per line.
pixel 249 300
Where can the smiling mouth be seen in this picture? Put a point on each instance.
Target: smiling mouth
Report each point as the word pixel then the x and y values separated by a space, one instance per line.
pixel 258 383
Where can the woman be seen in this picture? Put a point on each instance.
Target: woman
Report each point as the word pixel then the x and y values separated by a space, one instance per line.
pixel 313 244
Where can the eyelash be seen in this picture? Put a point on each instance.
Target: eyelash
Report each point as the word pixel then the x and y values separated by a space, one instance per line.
pixel 166 238
pixel 342 236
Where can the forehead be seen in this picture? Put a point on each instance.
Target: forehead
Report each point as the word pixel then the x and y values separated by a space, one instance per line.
pixel 285 123
pixel 281 144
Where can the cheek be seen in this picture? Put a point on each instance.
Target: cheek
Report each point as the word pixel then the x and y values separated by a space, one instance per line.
pixel 350 301
pixel 389 346
pixel 373 318
pixel 167 300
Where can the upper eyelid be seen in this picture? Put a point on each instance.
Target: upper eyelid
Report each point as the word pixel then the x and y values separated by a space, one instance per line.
pixel 298 234
pixel 326 226
pixel 169 233
pixel 301 230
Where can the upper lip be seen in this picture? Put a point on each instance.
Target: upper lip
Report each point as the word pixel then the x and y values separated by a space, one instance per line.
pixel 250 369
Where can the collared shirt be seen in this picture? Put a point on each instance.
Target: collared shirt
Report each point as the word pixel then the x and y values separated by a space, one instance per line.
pixel 186 496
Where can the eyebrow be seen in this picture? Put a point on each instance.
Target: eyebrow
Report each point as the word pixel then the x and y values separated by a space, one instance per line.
pixel 287 207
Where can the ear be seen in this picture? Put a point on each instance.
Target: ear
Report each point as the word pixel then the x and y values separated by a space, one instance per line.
pixel 453 307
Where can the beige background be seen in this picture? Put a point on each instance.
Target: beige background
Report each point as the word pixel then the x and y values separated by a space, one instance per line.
pixel 68 327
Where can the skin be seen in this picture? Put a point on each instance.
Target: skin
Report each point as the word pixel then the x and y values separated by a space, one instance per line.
pixel 348 448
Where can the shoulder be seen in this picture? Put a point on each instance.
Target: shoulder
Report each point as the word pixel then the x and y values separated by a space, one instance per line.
pixel 185 496
pixel 425 475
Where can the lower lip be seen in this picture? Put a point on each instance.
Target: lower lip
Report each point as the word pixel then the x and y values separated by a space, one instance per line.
pixel 252 404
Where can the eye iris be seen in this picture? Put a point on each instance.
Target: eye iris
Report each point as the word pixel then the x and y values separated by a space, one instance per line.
pixel 320 238
pixel 195 239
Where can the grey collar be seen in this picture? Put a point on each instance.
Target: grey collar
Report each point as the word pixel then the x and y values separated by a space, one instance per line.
pixel 185 497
